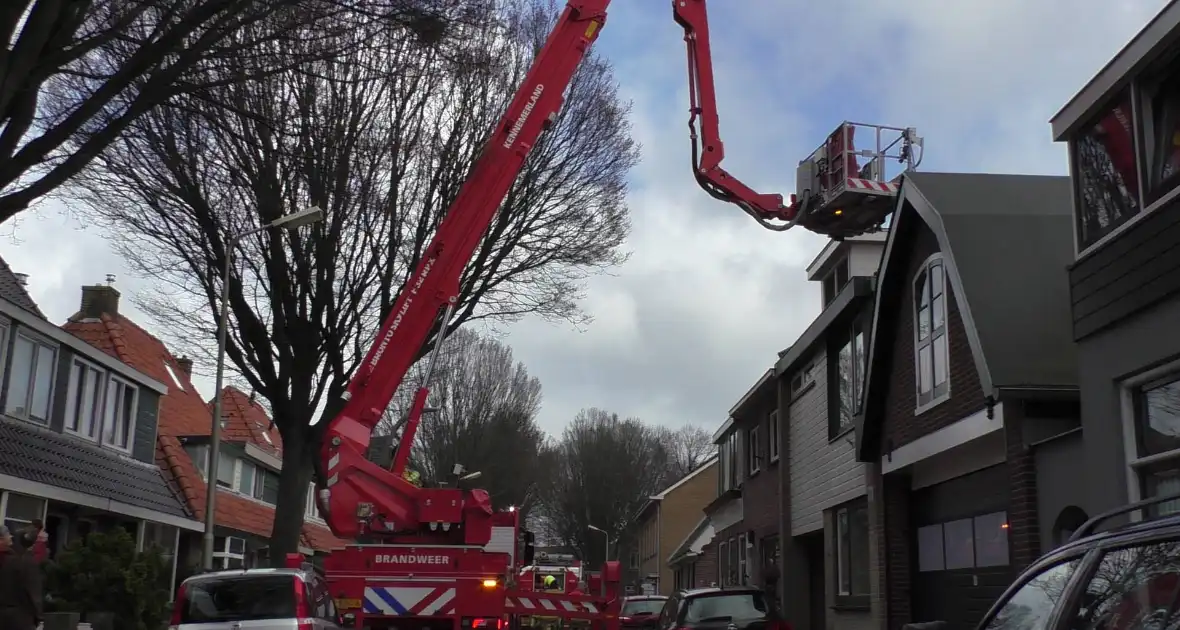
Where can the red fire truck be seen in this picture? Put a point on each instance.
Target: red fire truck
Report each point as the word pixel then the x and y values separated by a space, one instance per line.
pixel 442 556
pixel 550 573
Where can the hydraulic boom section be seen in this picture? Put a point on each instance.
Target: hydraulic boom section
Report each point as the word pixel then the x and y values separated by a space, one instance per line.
pixel 358 496
pixel 707 149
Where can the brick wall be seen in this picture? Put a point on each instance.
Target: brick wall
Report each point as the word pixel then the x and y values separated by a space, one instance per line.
pixel 966 395
pixel 889 524
pixel 706 569
pixel 681 511
pixel 760 492
pixel 1024 543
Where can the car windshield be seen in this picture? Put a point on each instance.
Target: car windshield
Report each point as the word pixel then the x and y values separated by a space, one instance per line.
pixel 635 607
pixel 245 598
pixel 745 606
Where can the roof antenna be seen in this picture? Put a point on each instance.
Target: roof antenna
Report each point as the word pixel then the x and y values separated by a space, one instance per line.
pixel 110 279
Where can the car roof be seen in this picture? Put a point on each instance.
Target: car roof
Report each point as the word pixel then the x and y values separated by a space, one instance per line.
pixel 639 598
pixel 1130 530
pixel 246 573
pixel 713 590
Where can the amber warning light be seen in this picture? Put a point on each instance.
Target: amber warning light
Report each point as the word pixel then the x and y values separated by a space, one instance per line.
pixel 489 583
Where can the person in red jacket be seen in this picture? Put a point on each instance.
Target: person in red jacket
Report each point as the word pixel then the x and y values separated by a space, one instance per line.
pixel 35 540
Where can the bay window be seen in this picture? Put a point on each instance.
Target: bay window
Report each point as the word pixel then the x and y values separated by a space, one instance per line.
pixel 1106 173
pixel 846 378
pixel 931 352
pixel 84 408
pixel 119 420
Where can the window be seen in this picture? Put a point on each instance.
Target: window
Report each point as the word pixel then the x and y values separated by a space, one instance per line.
pixel 119 420
pixel 930 345
pixel 159 536
pixel 245 477
pixel 835 280
pixel 770 552
pixel 742 548
pixel 199 453
pixel 980 541
pixel 20 510
pixel 1133 587
pixel 172 375
pixel 1105 173
pixel 772 437
pixel 723 563
pixel 30 379
pixel 1157 429
pixel 84 409
pixel 852 553
pixel 729 457
pixel 229 552
pixel 312 510
pixel 1031 606
pixel 846 383
pixel 225 471
pixel 803 378
pixel 752 447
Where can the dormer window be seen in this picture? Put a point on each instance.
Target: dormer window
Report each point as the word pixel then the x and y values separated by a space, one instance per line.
pixel 835 281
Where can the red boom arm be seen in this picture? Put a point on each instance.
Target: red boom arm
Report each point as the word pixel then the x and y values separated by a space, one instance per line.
pixel 365 498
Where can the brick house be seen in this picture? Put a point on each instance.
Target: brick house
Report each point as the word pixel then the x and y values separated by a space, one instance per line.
pixel 666 520
pixel 1124 275
pixel 251 455
pixel 77 435
pixel 816 385
pixel 745 511
pixel 970 407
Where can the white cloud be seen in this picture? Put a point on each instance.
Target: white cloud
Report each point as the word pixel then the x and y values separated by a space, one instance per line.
pixel 708 297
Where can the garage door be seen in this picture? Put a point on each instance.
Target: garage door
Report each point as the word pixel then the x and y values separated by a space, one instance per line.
pixel 961 538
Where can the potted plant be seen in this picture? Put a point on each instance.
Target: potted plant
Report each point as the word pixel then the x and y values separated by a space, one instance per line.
pixel 111 585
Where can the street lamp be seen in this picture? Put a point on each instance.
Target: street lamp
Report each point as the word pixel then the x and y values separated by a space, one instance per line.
pixel 605 554
pixel 289 221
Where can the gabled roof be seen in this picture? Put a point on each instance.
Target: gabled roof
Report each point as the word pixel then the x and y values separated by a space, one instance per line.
pixel 13 290
pixel 694 542
pixel 1006 241
pixel 656 498
pixel 183 413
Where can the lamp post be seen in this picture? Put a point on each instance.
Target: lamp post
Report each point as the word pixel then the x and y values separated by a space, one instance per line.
pixel 605 554
pixel 289 221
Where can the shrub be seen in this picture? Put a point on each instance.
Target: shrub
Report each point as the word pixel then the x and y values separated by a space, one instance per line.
pixel 105 574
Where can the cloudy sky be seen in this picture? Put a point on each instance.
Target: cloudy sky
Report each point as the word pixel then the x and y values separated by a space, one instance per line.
pixel 708 297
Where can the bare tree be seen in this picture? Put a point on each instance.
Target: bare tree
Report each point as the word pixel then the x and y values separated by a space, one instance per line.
pixel 604 470
pixel 484 416
pixel 77 74
pixel 687 447
pixel 381 136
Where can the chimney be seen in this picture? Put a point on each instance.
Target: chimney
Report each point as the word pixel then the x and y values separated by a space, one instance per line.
pixel 186 365
pixel 99 300
pixel 21 279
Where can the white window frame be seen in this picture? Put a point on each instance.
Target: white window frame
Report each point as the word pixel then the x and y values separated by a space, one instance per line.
pixel 774 434
pixel 127 386
pixel 312 509
pixel 4 508
pixel 100 404
pixel 233 477
pixel 240 465
pixel 1129 390
pixel 936 396
pixel 222 556
pixel 37 341
pixel 723 563
pixel 752 448
pixel 803 379
pixel 842 531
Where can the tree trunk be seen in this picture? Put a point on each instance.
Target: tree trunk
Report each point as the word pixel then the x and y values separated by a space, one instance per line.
pixel 291 506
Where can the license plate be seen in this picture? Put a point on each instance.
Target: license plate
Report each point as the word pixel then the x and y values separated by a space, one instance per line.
pixel 345 603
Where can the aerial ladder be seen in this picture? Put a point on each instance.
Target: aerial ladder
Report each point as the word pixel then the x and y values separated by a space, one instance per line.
pixel 442 555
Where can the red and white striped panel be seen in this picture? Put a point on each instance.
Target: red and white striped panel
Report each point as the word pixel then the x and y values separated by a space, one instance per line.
pixel 868 184
pixel 522 605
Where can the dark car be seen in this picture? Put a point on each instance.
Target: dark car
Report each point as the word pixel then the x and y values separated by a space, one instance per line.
pixel 724 608
pixel 641 611
pixel 1125 578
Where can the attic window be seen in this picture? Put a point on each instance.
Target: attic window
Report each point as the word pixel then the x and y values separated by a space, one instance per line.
pixel 266 435
pixel 835 281
pixel 175 379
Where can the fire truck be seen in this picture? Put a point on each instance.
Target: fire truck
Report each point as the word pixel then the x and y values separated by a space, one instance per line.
pixel 441 557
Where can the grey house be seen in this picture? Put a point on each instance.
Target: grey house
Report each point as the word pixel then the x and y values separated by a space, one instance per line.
pixel 1125 274
pixel 970 416
pixel 77 434
pixel 817 385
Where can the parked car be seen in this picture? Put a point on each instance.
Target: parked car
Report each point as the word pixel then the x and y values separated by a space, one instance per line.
pixel 255 599
pixel 1125 578
pixel 720 608
pixel 641 611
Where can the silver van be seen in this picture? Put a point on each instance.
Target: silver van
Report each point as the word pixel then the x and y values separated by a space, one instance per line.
pixel 255 599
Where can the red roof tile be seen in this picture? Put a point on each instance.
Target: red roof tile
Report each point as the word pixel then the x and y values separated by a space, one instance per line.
pixel 183 413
